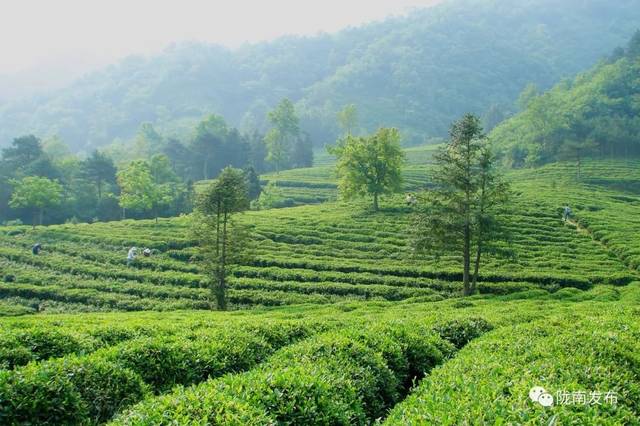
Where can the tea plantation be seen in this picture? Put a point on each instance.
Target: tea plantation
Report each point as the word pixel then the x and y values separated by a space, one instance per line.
pixel 347 325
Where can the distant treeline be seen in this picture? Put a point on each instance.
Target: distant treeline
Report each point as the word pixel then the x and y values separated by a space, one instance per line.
pixel 43 182
pixel 417 73
pixel 595 115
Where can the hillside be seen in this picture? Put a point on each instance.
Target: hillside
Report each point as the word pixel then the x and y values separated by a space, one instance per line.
pixel 594 115
pixel 297 251
pixel 417 72
pixel 347 326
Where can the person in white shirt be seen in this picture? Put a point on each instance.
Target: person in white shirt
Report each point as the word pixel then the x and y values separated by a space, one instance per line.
pixel 131 256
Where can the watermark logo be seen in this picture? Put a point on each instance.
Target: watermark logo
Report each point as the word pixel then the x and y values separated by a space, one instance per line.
pixel 540 395
pixel 546 399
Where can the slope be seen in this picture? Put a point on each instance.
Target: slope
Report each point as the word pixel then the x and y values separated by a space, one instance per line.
pixel 417 72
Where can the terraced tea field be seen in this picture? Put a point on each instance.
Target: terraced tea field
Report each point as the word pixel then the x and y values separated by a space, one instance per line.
pixel 347 363
pixel 348 326
pixel 329 252
pixel 319 184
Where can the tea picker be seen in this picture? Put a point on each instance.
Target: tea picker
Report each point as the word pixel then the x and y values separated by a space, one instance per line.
pixel 131 256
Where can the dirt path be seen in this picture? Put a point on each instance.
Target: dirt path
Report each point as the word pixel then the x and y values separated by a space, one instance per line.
pixel 586 231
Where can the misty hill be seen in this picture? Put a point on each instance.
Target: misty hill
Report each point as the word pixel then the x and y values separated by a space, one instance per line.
pixel 595 115
pixel 417 72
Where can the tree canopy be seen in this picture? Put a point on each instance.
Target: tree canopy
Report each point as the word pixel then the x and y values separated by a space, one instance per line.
pixel 370 165
pixel 417 73
pixel 596 114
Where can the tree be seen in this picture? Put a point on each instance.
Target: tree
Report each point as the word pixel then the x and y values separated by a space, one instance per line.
pixel 284 133
pixel 37 193
pixel 147 141
pixel 577 150
pixel 370 165
pixel 209 137
pixel 348 119
pixel 99 168
pixel 180 157
pixel 633 49
pixel 223 243
pixel 302 152
pixel 22 152
pixel 253 183
pixel 138 191
pixel 492 117
pixel 459 213
pixel 161 170
pixel 529 93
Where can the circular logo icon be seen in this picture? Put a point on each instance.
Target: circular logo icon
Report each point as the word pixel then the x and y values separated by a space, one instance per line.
pixel 541 396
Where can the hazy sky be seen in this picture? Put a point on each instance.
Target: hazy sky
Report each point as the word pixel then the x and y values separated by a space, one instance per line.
pixel 90 33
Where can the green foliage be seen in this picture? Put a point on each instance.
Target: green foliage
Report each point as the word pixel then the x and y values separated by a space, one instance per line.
pixel 36 193
pixel 272 197
pixel 286 146
pixel 489 381
pixel 222 243
pixel 140 189
pixel 348 119
pixel 369 165
pixel 417 73
pixel 461 332
pixel 99 168
pixel 595 115
pixel 459 212
pixel 343 377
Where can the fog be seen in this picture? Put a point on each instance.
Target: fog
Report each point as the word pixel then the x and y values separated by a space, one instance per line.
pixel 46 43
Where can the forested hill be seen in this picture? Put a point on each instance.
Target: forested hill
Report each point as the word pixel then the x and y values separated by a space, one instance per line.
pixel 595 115
pixel 418 73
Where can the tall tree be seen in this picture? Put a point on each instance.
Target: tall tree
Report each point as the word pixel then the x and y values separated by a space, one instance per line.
pixel 138 191
pixel 36 193
pixel 459 213
pixel 147 141
pixel 285 131
pixel 528 94
pixel 253 183
pixel 348 119
pixel 161 170
pixel 207 143
pixel 223 243
pixel 302 152
pixel 370 165
pixel 100 170
pixel 180 157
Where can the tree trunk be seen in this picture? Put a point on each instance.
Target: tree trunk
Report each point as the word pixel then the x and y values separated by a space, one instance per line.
pixel 222 289
pixel 99 185
pixel 375 202
pixel 481 229
pixel 41 216
pixel 476 267
pixel 218 229
pixel 35 218
pixel 466 259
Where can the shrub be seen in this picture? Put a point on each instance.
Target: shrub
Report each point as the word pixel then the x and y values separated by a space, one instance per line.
pixel 461 331
pixel 104 387
pixel 39 395
pixel 207 407
pixel 488 382
pixel 348 376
